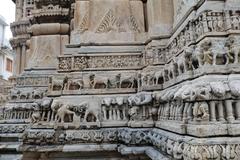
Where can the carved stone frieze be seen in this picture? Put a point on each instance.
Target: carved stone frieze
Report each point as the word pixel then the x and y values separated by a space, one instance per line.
pixel 176 146
pixel 100 61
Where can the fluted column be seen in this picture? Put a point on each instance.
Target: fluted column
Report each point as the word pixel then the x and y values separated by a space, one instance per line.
pixel 23 57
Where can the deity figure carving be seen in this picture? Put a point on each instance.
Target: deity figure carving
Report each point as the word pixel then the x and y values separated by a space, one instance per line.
pixel 114 108
pixel 61 111
pixel 25 94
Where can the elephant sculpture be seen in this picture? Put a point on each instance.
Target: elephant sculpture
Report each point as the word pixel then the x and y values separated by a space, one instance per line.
pixel 233 45
pixel 141 99
pixel 93 110
pixel 113 108
pixel 61 111
pixel 25 94
pixel 38 93
pixel 218 89
pixel 234 86
pixel 14 94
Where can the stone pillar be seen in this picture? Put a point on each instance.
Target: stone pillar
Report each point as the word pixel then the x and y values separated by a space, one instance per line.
pixel 160 14
pixel 81 15
pixel 137 11
pixel 17 61
pixel 24 8
pixel 23 57
pixel 229 110
pixel 19 9
pixel 213 111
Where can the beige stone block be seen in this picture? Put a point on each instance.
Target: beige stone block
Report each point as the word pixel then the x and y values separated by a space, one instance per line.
pixel 108 21
pixel 64 41
pixel 160 17
pixel 44 51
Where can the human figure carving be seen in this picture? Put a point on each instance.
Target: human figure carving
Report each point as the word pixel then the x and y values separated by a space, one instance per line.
pixel 201 109
pixel 36 116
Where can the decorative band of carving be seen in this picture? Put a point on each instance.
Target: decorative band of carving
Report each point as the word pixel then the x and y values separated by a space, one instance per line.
pixel 173 145
pixel 100 62
pixel 32 81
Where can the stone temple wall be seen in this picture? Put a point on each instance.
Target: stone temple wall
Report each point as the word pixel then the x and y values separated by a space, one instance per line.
pixel 124 79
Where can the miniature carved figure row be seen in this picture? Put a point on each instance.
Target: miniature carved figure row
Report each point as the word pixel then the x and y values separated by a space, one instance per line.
pixel 138 107
pixel 102 61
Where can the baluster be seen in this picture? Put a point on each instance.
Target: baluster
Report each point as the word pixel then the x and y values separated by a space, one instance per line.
pixel 229 110
pixel 213 111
